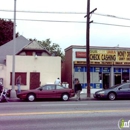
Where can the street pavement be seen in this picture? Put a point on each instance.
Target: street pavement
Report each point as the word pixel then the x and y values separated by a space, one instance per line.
pixel 59 115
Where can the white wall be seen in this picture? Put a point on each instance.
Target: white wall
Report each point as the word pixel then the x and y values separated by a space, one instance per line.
pixel 2 72
pixel 74 55
pixel 49 68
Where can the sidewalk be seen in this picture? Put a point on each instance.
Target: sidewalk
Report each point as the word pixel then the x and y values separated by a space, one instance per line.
pixel 83 97
pixel 13 99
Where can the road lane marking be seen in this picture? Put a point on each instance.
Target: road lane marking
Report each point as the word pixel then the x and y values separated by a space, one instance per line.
pixel 63 112
pixel 64 105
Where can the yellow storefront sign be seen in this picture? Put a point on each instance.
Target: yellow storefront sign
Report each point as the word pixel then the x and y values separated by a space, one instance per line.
pixel 118 57
pixel 103 55
pixel 123 56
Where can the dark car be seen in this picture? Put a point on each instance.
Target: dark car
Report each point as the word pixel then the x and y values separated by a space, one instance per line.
pixel 121 91
pixel 48 91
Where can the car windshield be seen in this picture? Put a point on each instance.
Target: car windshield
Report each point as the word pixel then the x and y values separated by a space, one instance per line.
pixel 38 88
pixel 115 85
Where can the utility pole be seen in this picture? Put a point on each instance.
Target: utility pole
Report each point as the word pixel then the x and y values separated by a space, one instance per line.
pixel 88 46
pixel 13 92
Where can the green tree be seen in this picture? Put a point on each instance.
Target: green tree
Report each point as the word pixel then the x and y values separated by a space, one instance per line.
pixel 53 48
pixel 6 31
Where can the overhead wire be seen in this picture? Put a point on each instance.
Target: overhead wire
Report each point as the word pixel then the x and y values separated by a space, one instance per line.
pixel 52 12
pixel 112 24
pixel 46 12
pixel 48 20
pixel 59 21
pixel 112 16
pixel 106 15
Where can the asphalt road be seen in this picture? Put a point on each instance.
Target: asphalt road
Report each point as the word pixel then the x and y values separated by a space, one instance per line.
pixel 58 115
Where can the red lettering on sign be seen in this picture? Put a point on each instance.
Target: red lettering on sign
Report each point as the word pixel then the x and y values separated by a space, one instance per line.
pixel 80 54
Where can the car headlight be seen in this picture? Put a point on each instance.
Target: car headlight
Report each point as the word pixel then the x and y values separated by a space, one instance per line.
pixel 102 92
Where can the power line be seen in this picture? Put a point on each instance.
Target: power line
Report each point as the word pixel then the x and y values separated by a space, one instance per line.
pixel 112 24
pixel 59 21
pixel 52 12
pixel 112 16
pixel 46 12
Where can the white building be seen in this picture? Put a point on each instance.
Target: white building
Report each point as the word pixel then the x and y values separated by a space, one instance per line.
pixel 108 66
pixel 33 62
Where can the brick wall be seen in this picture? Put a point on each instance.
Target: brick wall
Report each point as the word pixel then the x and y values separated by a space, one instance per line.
pixel 68 67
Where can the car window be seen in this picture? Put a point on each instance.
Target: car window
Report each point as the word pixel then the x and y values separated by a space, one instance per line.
pixel 115 86
pixel 125 86
pixel 59 87
pixel 48 87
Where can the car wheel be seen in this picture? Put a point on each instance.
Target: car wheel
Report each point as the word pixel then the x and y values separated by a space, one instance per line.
pixel 31 97
pixel 65 97
pixel 112 96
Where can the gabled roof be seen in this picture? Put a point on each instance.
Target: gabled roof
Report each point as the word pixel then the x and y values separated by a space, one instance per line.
pixel 34 45
pixel 8 48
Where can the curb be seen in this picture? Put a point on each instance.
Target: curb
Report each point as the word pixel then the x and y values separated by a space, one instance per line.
pixel 13 100
pixel 83 97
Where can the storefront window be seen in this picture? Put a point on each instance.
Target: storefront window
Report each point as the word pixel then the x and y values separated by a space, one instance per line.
pixel 100 77
pixel 125 75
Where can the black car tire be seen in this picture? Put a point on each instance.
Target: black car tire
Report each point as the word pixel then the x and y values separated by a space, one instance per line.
pixel 65 97
pixel 112 96
pixel 31 97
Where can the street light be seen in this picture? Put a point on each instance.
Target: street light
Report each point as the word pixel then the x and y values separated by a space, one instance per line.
pixel 13 92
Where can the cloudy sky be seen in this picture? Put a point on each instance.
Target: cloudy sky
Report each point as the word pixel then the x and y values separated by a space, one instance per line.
pixel 66 34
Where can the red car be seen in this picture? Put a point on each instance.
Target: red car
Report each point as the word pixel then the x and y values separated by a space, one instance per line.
pixel 48 91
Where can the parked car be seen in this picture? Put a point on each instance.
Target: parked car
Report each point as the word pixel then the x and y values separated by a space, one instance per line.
pixel 46 92
pixel 120 91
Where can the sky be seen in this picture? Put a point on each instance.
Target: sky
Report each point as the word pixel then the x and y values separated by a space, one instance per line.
pixel 67 34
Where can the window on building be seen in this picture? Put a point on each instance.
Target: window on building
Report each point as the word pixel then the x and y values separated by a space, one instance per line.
pixel 38 53
pixel 100 77
pixel 29 53
pixel 125 77
pixel 23 77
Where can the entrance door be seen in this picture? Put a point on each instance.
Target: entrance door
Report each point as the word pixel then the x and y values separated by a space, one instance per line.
pixel 106 80
pixel 34 80
pixel 125 77
pixel 117 78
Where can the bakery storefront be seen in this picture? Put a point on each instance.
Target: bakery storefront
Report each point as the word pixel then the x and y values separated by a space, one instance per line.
pixel 108 67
